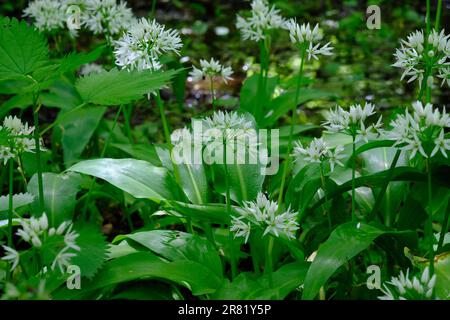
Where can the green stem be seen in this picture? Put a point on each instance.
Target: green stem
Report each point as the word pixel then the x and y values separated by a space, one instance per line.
pixel 443 229
pixel 385 185
pixel 322 179
pixel 213 94
pixel 152 13
pixel 37 136
pixel 11 208
pixel 228 205
pixel 429 224
pixel 291 130
pixel 269 261
pixel 353 178
pixel 162 112
pixel 438 15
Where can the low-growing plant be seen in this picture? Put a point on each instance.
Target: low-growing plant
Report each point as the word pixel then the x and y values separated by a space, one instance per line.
pixel 200 215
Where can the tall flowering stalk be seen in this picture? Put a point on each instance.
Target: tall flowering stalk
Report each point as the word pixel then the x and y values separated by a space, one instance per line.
pixel 422 133
pixel 140 49
pixel 19 138
pixel 354 123
pixel 308 43
pixel 262 21
pixel 264 215
pixel 211 69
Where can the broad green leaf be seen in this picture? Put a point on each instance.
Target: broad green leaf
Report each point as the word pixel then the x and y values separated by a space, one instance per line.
pixel 245 181
pixel 194 182
pixel 137 177
pixel 345 242
pixel 60 192
pixel 77 128
pixel 120 87
pixel 376 180
pixel 249 100
pixel 212 213
pixel 177 245
pixel 145 265
pixel 20 200
pixel 245 287
pixel 284 103
pixel 145 291
pixel 92 252
pixel 22 49
pixel 140 152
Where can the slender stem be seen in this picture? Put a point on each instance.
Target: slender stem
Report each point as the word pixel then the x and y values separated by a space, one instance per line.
pixel 269 262
pixel 385 185
pixel 127 115
pixel 443 229
pixel 429 224
pixel 102 154
pixel 213 95
pixel 22 171
pixel 291 130
pixel 58 120
pixel 253 254
pixel 428 18
pixel 353 178
pixel 438 15
pixel 325 211
pixel 228 204
pixel 36 107
pixel 11 208
pixel 152 13
pixel 162 112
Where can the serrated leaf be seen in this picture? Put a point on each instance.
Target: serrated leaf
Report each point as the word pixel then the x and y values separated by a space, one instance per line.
pixel 93 251
pixel 22 49
pixel 116 87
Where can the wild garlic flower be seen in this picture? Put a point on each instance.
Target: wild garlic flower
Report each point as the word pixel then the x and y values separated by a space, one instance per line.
pixel 405 288
pixel 211 69
pixel 231 126
pixel 319 151
pixel 422 131
pixel 142 45
pixel 12 256
pixel 106 16
pixel 36 232
pixel 415 56
pixel 353 122
pixel 19 138
pixel 90 68
pixel 48 15
pixel 263 19
pixel 308 39
pixel 263 214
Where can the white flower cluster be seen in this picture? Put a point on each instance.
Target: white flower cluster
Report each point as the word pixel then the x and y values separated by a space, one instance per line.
pixel 262 20
pixel 422 132
pixel 106 16
pixel 48 15
pixel 353 122
pixel 263 214
pixel 141 46
pixel 309 39
pixel 98 16
pixel 404 288
pixel 319 152
pixel 415 56
pixel 19 140
pixel 90 68
pixel 36 232
pixel 211 69
pixel 229 125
